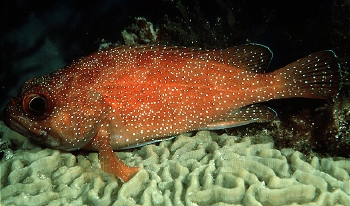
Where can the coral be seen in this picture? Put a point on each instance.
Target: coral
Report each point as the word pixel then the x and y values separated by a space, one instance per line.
pixel 141 32
pixel 204 169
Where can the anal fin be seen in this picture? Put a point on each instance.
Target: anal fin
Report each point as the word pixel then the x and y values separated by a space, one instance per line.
pixel 243 116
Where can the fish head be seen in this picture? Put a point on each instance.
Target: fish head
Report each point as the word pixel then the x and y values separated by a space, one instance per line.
pixel 46 116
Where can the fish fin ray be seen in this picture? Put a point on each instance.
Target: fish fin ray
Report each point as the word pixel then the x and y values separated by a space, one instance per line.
pixel 314 76
pixel 242 116
pixel 111 163
pixel 250 57
pixel 147 143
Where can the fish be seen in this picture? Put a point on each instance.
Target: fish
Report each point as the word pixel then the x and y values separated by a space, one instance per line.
pixel 129 96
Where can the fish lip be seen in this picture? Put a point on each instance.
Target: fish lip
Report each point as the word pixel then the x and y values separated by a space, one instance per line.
pixel 12 119
pixel 20 125
pixel 15 124
pixel 23 126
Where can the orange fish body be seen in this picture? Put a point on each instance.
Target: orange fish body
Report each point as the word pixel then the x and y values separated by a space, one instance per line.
pixel 128 96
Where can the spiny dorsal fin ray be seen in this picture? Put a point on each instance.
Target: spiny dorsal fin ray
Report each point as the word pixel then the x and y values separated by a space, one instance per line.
pixel 243 116
pixel 251 57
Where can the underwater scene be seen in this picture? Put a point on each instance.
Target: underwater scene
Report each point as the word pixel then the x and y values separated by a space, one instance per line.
pixel 169 102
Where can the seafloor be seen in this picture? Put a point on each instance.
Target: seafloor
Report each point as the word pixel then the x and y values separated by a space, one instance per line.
pixel 205 169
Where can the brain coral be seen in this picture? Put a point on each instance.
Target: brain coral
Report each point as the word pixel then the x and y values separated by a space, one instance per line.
pixel 206 169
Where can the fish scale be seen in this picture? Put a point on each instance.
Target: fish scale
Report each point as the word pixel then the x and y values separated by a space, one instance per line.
pixel 125 96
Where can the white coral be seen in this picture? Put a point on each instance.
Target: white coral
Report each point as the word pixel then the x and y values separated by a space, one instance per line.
pixel 206 169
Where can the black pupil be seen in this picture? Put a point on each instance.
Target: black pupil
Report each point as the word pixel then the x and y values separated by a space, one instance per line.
pixel 38 104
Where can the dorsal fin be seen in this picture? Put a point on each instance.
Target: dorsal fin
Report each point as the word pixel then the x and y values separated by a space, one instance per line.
pixel 251 57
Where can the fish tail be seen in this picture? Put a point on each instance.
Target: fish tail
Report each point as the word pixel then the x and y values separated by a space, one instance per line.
pixel 314 76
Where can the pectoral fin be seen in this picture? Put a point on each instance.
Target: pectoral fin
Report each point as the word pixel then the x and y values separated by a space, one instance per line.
pixel 110 162
pixel 243 116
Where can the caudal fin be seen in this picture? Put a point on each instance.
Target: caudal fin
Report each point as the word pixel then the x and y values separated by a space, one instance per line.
pixel 314 76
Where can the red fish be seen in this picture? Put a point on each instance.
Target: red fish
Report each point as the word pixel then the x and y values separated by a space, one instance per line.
pixel 129 96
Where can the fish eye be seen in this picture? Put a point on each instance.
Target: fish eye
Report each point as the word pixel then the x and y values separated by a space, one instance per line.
pixel 36 105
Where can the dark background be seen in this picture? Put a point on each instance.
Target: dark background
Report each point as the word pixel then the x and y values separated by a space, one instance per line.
pixel 38 37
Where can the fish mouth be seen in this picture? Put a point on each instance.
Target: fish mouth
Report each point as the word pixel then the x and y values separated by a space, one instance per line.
pixel 22 126
pixel 18 122
pixel 15 125
pixel 14 118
